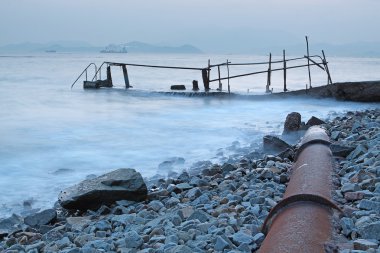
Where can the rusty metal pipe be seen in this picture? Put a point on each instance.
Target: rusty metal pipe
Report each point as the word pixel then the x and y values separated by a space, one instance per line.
pixel 301 222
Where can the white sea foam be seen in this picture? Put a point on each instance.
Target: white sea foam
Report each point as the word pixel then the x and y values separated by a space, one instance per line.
pixel 52 137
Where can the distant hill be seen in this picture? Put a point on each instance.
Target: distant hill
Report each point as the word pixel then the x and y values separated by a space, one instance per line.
pixel 69 46
pixel 140 47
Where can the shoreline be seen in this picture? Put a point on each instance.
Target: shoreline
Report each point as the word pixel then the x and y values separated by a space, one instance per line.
pixel 217 207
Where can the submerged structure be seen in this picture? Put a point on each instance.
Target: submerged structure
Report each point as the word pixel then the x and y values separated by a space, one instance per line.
pixel 355 91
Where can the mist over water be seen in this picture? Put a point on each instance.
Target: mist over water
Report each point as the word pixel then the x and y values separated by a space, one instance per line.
pixel 52 137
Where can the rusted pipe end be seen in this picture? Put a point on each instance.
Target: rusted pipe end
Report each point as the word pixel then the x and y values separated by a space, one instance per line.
pixel 294 199
pixel 301 222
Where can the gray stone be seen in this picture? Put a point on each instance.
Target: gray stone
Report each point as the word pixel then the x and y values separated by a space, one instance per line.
pixel 102 225
pixel 99 245
pixel 361 244
pixel 227 167
pixel 241 237
pixel 10 225
pixel 171 239
pixel 42 218
pixel 133 239
pixel 292 122
pixel 347 225
pixel 314 121
pixel 203 199
pixel 155 205
pixel 193 193
pixel 220 244
pixel 370 231
pixel 63 243
pixel 179 249
pixel 38 246
pixel 341 150
pixel 199 215
pixel 104 190
pixel 335 135
pixel 81 240
pixel 176 220
pixel 350 187
pixel 274 144
pixel 77 223
pixel 172 202
pixel 184 186
pixel 358 151
pixel 259 238
pixel 369 205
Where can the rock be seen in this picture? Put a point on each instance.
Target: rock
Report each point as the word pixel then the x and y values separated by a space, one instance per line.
pixel 178 87
pixel 133 239
pixel 179 249
pixel 193 193
pixel 259 238
pixel 335 135
pixel 220 244
pixel 314 121
pixel 172 202
pixel 370 231
pixel 353 196
pixel 274 144
pixel 155 205
pixel 358 151
pixel 369 205
pixel 42 218
pixel 184 186
pixel 227 167
pixel 199 215
pixel 292 122
pixel 347 225
pixel 241 237
pixel 186 212
pixel 77 223
pixel 104 190
pixel 361 244
pixel 341 150
pixel 38 246
pixel 10 225
pixel 350 187
pixel 203 199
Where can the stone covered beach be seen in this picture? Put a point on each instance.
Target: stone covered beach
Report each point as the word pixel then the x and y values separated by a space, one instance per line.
pixel 214 207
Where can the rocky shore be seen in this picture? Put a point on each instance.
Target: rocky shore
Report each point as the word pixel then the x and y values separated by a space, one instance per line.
pixel 213 207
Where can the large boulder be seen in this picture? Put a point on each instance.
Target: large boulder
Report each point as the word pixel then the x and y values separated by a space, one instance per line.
pixel 104 190
pixel 292 122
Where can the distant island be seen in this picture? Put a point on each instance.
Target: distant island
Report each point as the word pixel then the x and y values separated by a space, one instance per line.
pixel 83 47
pixel 358 49
pixel 140 47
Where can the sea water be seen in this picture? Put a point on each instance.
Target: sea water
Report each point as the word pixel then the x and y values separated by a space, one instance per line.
pixel 52 137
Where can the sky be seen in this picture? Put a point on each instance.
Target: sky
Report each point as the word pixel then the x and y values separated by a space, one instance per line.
pixel 211 24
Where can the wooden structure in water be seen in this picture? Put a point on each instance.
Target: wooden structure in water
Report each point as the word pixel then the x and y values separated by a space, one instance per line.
pixel 311 60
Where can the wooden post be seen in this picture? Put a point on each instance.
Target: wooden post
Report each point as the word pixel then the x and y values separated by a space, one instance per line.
pixel 195 85
pixel 220 82
pixel 228 77
pixel 126 79
pixel 283 53
pixel 208 75
pixel 109 77
pixel 205 80
pixel 269 73
pixel 308 61
pixel 329 81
